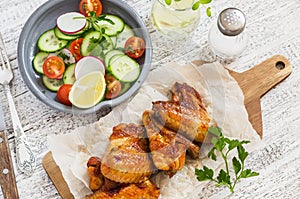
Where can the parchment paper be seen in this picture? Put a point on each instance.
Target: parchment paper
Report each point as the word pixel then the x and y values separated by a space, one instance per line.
pixel 221 95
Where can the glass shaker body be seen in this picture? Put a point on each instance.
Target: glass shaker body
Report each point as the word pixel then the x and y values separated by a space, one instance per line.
pixel 227 45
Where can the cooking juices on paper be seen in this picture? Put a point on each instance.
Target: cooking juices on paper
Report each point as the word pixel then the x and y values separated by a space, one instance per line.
pixel 176 20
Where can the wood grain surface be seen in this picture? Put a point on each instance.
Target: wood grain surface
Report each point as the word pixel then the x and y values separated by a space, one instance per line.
pixel 254 84
pixel 7 175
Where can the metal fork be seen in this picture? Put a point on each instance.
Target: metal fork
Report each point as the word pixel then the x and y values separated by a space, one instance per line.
pixel 25 157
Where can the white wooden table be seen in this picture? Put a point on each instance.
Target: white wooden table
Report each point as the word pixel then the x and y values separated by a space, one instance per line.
pixel 273 27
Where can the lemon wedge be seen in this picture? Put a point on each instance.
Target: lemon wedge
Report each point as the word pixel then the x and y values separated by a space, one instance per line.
pixel 88 90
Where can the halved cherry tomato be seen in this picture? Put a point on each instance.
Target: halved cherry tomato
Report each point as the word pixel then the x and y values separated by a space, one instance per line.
pixel 53 67
pixel 87 6
pixel 113 87
pixel 135 47
pixel 75 48
pixel 63 94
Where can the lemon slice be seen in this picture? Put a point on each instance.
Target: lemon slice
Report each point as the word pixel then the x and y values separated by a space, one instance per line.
pixel 88 90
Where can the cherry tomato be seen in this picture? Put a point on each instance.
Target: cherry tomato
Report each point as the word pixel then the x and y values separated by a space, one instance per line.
pixel 87 6
pixel 135 47
pixel 63 94
pixel 113 87
pixel 53 67
pixel 75 48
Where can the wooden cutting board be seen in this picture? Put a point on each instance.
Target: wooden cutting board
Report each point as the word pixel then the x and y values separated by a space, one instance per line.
pixel 254 83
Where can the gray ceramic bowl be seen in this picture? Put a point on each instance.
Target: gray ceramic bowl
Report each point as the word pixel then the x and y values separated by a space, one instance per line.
pixel 44 18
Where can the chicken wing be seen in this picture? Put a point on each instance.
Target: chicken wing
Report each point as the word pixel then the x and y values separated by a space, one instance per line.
pixel 126 159
pixel 144 190
pixel 187 96
pixel 167 154
pixel 191 123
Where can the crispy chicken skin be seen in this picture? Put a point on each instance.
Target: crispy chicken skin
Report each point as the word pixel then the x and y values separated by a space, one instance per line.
pixel 191 123
pixel 126 159
pixel 187 96
pixel 144 190
pixel 167 154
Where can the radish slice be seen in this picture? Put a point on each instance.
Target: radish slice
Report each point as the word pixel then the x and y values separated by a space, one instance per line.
pixel 66 55
pixel 71 22
pixel 88 64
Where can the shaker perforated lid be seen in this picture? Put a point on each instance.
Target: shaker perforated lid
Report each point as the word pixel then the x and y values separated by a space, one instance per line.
pixel 231 21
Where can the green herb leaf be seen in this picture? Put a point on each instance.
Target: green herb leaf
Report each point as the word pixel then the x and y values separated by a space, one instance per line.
pixel 168 2
pixel 215 131
pixel 248 173
pixel 103 18
pixel 196 5
pixel 223 177
pixel 204 174
pixel 212 155
pixel 232 144
pixel 208 11
pixel 220 145
pixel 236 165
pixel 242 153
pixel 205 1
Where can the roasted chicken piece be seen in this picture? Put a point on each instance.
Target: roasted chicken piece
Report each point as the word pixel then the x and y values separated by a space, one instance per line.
pixel 167 154
pixel 94 172
pixel 192 148
pixel 191 123
pixel 187 96
pixel 126 159
pixel 143 190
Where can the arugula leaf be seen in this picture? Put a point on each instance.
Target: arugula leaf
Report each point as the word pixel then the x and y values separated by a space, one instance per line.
pixel 224 179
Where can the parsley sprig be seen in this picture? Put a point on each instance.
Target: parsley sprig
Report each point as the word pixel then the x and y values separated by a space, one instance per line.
pixel 196 5
pixel 224 179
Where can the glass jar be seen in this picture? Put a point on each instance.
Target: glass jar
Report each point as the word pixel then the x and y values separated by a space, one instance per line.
pixel 177 20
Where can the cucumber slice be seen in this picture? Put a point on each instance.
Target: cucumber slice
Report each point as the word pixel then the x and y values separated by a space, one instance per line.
pixel 114 40
pixel 124 68
pixel 96 44
pixel 38 61
pixel 48 42
pixel 123 36
pixel 106 44
pixel 63 36
pixel 52 84
pixel 109 55
pixel 112 24
pixel 88 47
pixel 69 75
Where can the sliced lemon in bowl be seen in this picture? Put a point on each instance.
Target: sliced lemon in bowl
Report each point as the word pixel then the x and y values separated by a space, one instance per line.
pixel 88 90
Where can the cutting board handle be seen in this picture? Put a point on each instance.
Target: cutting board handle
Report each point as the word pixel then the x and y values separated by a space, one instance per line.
pixel 258 80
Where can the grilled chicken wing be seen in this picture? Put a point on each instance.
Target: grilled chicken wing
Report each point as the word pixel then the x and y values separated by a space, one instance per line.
pixel 191 123
pixel 126 159
pixel 187 96
pixel 167 154
pixel 144 190
pixel 192 148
